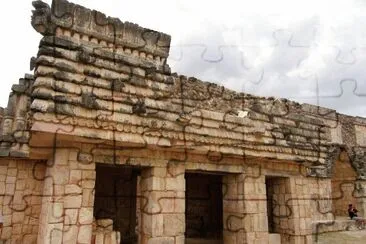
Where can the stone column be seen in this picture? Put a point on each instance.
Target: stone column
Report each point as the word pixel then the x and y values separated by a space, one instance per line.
pixel 360 195
pixel 300 219
pixel 163 204
pixel 255 207
pixel 233 209
pixel 68 198
pixel 245 211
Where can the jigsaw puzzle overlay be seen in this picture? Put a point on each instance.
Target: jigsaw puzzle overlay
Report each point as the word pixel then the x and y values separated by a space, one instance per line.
pixel 103 144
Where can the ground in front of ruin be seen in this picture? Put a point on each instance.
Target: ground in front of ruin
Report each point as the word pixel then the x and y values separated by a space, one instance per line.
pixel 343 237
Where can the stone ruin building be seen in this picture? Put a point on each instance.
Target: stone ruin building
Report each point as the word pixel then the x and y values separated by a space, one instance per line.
pixel 103 144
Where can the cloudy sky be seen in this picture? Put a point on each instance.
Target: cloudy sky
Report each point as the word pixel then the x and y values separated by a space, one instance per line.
pixel 309 51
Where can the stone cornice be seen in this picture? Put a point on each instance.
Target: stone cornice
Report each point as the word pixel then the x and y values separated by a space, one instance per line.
pixel 78 19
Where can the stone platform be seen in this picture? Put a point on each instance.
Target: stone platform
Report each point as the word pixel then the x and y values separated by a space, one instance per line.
pixel 339 224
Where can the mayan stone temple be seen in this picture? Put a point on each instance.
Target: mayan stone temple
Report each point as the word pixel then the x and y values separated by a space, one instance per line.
pixel 103 144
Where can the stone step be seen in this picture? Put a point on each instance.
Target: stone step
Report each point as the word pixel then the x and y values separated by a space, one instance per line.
pixel 332 226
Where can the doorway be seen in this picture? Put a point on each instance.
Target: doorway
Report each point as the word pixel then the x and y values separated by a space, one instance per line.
pixel 204 209
pixel 115 199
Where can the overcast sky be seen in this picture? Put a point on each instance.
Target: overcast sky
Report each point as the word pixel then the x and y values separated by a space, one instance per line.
pixel 309 51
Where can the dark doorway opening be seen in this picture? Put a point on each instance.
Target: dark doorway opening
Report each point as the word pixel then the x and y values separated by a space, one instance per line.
pixel 278 212
pixel 270 185
pixel 115 199
pixel 204 210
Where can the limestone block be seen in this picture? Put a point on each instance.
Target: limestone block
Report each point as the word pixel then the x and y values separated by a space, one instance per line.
pixel 6 233
pixel 175 183
pixel 167 205
pixel 85 233
pixel 70 234
pixel 179 205
pixel 55 212
pixel 152 206
pixel 159 171
pixel 17 229
pixel 10 189
pixel 234 221
pixel 55 233
pixel 88 174
pixel 179 239
pixel 160 240
pixel 360 135
pixel 85 216
pixel 27 229
pixel 6 209
pixel 72 201
pixel 174 224
pixel 30 239
pixel 20 185
pixel 248 223
pixel 108 238
pixel 105 224
pixel 18 217
pixel 230 190
pixel 3 169
pixel 59 174
pixel 153 224
pixel 261 237
pixel 61 156
pixel 12 172
pixel 249 188
pixel 231 205
pixel 10 179
pixel 175 169
pixel 260 222
pixel 73 154
pixel 87 184
pixel 71 216
pixel 99 238
pixel 250 206
pixel 75 176
pixel 113 238
pixel 72 189
pixel 152 183
pixel 88 198
pixel 2 188
pixel 59 190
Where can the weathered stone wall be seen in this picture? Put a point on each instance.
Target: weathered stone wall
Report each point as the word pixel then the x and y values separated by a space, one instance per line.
pixel 21 187
pixel 85 83
pixel 102 92
pixel 15 120
pixel 343 185
pixel 94 72
pixel 68 198
pixel 163 204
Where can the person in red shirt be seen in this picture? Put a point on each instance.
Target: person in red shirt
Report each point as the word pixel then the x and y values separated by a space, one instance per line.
pixel 352 213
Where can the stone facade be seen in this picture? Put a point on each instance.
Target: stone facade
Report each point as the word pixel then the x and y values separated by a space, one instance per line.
pixel 21 186
pixel 103 100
